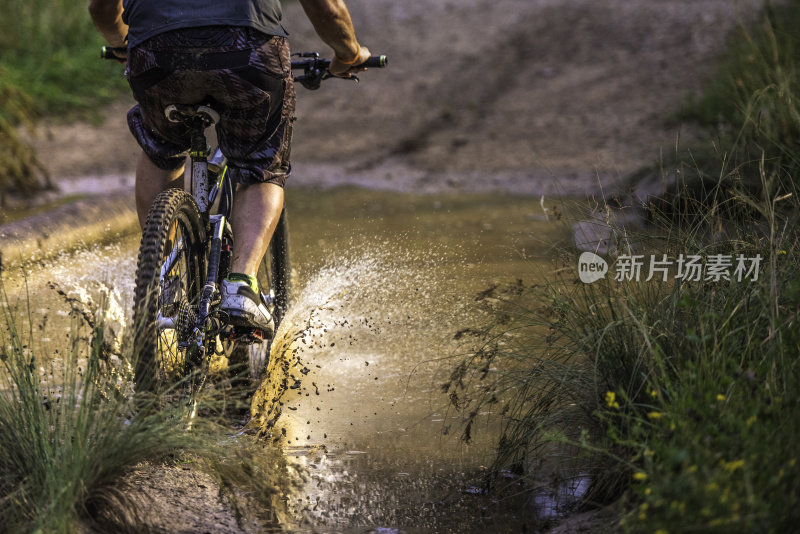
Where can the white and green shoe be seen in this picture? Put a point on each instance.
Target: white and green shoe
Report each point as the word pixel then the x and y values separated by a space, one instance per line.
pixel 242 301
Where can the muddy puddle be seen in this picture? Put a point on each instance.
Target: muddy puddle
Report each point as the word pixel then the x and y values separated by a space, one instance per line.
pixel 382 282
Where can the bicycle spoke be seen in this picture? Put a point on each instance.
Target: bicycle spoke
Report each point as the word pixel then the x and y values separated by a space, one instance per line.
pixel 172 257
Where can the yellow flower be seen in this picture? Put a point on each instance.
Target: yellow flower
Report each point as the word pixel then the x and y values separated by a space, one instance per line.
pixel 611 399
pixel 733 466
pixel 751 420
pixel 648 491
pixel 712 487
pixel 720 397
pixel 640 476
pixel 654 415
pixel 654 393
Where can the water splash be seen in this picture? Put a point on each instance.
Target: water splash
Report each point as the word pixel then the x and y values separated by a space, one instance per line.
pixel 382 305
pixel 94 285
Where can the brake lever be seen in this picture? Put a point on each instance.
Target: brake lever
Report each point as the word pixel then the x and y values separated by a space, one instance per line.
pixel 352 77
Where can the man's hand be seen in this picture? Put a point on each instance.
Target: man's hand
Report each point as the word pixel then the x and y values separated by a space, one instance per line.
pixel 333 24
pixel 347 67
pixel 120 58
pixel 117 53
pixel 107 18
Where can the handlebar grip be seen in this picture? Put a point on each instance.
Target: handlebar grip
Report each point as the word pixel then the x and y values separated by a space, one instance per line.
pixel 110 52
pixel 375 62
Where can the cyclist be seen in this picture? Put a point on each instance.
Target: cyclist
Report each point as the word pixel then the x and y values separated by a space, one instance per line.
pixel 234 55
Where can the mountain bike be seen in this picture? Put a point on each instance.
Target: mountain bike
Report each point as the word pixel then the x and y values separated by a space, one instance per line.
pixel 185 253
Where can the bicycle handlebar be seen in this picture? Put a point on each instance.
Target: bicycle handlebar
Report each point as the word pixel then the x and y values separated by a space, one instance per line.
pixel 314 61
pixel 315 68
pixel 108 52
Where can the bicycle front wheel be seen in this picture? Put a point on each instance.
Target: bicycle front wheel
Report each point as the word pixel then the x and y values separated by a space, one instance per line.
pixel 169 277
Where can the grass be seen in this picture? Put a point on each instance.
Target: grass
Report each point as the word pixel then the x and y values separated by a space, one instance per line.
pixel 71 434
pixel 749 106
pixel 678 399
pixel 50 51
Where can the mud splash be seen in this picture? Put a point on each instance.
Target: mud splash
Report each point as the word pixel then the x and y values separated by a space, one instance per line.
pixel 353 395
pixel 70 293
pixel 360 311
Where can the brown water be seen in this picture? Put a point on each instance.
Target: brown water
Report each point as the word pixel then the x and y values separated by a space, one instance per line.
pixel 382 282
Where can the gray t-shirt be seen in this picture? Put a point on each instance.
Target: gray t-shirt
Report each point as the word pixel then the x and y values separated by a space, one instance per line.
pixel 147 18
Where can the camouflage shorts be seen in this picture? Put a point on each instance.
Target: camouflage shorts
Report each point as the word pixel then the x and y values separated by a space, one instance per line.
pixel 243 74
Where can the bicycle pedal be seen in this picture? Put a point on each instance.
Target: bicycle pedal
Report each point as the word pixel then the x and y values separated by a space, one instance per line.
pixel 247 335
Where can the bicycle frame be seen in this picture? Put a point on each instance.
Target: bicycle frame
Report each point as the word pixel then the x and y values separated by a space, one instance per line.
pixel 205 194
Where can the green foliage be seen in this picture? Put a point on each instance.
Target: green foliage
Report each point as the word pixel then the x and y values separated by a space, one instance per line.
pixel 678 399
pixel 50 51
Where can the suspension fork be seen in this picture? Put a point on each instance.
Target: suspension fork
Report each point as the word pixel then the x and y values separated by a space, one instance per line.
pixel 210 292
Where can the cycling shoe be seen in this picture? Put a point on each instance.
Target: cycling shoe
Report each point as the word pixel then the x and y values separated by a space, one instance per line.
pixel 245 307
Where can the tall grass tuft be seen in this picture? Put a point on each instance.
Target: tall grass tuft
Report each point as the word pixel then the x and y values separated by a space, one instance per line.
pixel 750 103
pixel 678 399
pixel 70 434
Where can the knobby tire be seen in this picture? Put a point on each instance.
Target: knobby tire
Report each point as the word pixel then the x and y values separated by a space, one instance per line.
pixel 173 226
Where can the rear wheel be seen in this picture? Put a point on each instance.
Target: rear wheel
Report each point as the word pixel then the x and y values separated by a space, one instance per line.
pixel 273 281
pixel 280 267
pixel 169 277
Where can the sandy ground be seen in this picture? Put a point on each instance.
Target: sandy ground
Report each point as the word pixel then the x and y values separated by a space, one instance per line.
pixel 523 96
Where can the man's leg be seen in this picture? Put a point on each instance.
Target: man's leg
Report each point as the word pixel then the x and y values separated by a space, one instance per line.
pixel 150 181
pixel 253 221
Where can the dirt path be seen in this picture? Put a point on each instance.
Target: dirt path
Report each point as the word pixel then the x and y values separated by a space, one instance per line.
pixel 513 95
